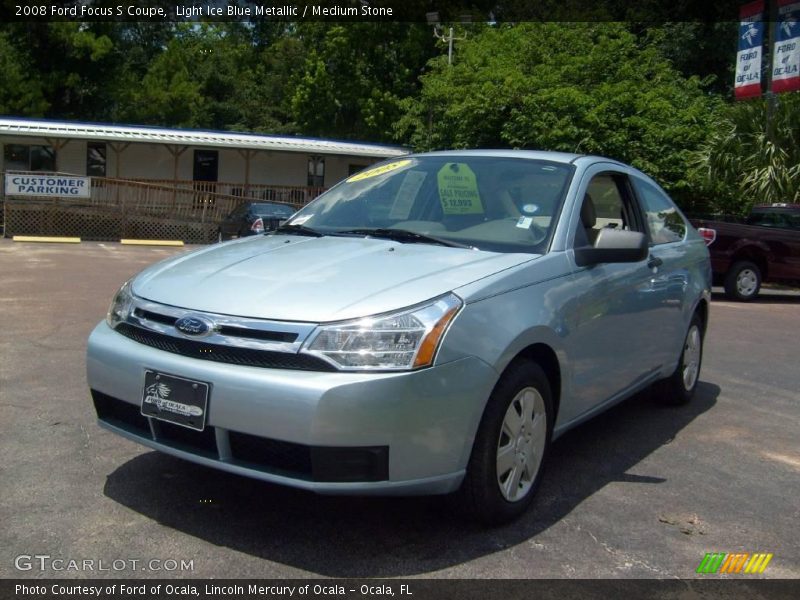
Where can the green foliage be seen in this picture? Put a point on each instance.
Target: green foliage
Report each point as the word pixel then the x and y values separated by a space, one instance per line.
pixel 20 94
pixel 744 163
pixel 575 87
pixel 355 77
pixel 648 95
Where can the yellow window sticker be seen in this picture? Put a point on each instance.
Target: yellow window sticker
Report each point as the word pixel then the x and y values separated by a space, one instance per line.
pixel 458 190
pixel 393 166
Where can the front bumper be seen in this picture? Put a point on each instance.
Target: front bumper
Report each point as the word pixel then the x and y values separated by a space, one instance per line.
pixel 401 433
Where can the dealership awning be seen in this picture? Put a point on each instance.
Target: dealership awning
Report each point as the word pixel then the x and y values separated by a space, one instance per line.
pixel 190 137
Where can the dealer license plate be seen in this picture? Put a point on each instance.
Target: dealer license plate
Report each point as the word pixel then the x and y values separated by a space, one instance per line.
pixel 175 399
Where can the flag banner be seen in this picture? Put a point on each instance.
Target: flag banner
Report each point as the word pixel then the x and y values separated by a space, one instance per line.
pixel 786 51
pixel 748 59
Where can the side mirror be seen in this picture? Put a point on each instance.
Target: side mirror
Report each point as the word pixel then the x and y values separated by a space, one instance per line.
pixel 613 246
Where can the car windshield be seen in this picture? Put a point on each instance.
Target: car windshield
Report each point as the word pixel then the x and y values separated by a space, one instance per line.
pixel 498 204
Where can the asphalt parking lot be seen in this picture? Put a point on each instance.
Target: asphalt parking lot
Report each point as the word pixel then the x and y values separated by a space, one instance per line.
pixel 641 491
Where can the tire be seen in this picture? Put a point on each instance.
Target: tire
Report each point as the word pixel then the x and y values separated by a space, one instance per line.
pixel 743 281
pixel 505 468
pixel 679 388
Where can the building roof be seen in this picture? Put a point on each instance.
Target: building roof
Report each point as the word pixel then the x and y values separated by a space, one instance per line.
pixel 190 137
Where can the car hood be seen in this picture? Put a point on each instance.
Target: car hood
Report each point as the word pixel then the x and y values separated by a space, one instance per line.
pixel 287 277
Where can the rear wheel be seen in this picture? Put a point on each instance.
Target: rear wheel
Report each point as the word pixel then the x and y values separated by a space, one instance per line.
pixel 679 387
pixel 743 281
pixel 511 446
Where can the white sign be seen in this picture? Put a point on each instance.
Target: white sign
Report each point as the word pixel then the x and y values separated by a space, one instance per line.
pixel 26 184
pixel 748 58
pixel 786 51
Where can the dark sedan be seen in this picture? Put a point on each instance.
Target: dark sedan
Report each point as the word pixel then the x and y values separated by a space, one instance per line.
pixel 250 218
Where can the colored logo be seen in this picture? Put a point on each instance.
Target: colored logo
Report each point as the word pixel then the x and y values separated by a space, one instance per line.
pixel 750 33
pixel 741 562
pixel 193 326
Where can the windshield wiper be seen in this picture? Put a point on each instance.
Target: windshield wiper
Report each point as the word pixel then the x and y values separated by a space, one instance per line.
pixel 404 236
pixel 299 230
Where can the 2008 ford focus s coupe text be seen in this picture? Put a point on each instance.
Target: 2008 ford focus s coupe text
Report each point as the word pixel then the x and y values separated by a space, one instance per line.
pixel 427 326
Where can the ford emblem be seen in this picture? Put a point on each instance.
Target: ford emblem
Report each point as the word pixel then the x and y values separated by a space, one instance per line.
pixel 193 326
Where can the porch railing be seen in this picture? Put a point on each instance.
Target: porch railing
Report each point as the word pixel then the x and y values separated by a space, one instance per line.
pixel 188 210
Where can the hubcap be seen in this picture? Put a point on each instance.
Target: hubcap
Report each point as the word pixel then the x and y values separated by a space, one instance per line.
pixel 521 444
pixel 691 357
pixel 746 282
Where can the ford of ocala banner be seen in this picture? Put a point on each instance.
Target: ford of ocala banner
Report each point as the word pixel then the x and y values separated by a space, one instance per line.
pixel 748 59
pixel 786 55
pixel 26 184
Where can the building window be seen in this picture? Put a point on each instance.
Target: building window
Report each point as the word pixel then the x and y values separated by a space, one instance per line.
pixel 21 157
pixel 96 159
pixel 316 171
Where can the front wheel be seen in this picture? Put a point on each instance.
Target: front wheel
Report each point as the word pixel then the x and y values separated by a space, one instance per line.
pixel 743 281
pixel 679 387
pixel 511 446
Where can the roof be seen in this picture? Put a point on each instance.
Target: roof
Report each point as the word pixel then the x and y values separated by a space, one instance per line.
pixel 190 137
pixel 552 156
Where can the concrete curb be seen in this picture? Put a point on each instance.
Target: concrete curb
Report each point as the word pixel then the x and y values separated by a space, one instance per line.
pixel 151 242
pixel 46 239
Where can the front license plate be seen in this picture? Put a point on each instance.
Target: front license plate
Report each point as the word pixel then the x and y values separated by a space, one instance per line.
pixel 175 399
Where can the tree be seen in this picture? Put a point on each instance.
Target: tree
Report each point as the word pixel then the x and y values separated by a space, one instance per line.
pixel 577 87
pixel 196 80
pixel 69 62
pixel 20 93
pixel 745 164
pixel 355 77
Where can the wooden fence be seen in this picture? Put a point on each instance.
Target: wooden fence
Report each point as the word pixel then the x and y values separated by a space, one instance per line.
pixel 119 208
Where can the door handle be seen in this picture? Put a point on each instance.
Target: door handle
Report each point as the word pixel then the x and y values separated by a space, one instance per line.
pixel 654 262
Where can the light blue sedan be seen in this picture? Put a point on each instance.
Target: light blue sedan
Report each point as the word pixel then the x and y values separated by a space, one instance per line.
pixel 427 326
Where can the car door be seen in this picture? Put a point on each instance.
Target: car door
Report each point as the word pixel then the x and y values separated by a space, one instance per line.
pixel 670 265
pixel 610 345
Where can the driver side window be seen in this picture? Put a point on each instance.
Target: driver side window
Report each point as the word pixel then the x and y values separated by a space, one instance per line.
pixel 606 205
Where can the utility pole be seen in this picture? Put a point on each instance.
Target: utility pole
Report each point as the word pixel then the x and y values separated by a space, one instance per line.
pixel 449 38
pixel 770 96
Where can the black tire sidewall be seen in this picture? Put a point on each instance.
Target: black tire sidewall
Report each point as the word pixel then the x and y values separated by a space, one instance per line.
pixel 731 287
pixel 480 492
pixel 673 391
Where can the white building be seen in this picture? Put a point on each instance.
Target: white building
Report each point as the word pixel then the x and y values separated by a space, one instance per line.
pixel 149 168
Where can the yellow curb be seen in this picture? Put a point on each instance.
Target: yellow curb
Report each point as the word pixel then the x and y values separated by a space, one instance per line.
pixel 53 240
pixel 151 242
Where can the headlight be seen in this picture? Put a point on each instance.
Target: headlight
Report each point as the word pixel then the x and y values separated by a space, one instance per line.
pixel 120 306
pixel 403 340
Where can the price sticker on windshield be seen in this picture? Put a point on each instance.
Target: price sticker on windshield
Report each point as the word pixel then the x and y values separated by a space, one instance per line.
pixel 458 190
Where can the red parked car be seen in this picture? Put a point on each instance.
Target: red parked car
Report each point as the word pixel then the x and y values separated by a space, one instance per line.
pixel 765 246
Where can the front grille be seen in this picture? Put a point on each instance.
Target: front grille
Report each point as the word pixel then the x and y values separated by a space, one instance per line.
pixel 228 330
pixel 225 354
pixel 155 317
pixel 311 463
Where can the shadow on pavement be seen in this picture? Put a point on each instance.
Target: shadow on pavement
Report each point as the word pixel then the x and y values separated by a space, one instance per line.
pixel 389 537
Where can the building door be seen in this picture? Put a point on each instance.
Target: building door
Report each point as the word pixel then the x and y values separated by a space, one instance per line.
pixel 206 165
pixel 204 174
